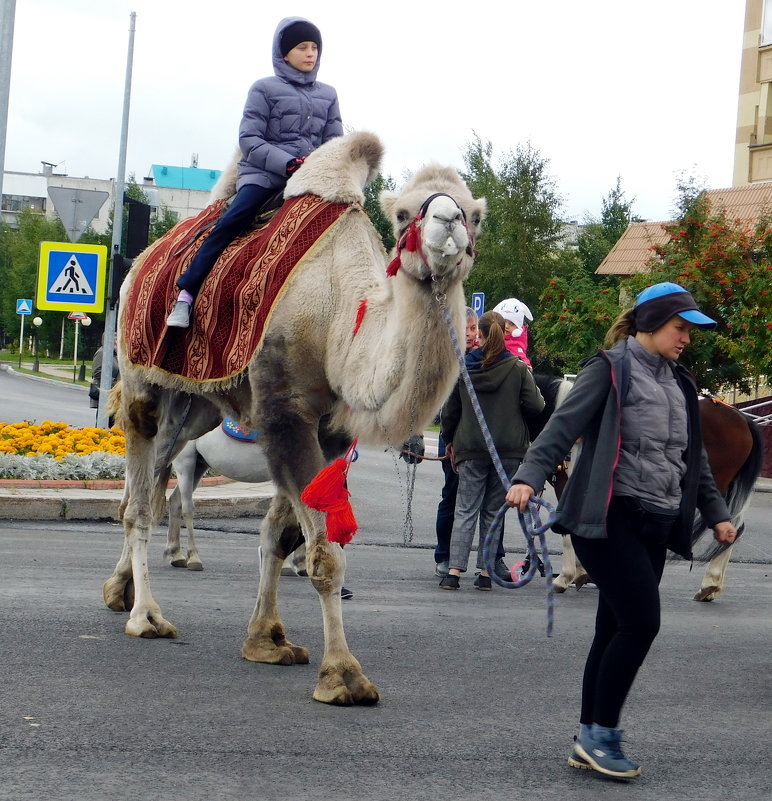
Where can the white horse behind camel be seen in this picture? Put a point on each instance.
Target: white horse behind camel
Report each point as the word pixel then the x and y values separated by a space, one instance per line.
pixel 347 352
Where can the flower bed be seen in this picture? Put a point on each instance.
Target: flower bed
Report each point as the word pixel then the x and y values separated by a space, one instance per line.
pixel 54 451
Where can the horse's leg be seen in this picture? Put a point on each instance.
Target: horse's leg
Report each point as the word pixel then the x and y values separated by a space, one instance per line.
pixel 297 560
pixel 187 485
pixel 713 580
pixel 266 640
pixel 173 552
pixel 567 567
pixel 145 499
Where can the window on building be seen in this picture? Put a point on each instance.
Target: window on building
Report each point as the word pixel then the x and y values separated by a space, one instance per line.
pixel 20 202
pixel 766 23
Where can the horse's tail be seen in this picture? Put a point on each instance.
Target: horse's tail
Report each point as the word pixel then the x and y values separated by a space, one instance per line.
pixel 739 496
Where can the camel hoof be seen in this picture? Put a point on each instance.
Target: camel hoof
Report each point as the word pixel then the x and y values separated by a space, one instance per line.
pixel 344 688
pixel 194 563
pixel 581 581
pixel 118 594
pixel 558 586
pixel 707 593
pixel 150 627
pixel 179 562
pixel 268 652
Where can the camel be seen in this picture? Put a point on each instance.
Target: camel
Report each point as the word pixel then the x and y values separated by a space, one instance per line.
pixel 348 351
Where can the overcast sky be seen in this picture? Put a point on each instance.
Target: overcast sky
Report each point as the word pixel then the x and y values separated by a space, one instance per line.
pixel 602 88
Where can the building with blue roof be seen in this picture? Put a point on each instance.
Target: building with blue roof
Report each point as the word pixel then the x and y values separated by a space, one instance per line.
pixel 173 177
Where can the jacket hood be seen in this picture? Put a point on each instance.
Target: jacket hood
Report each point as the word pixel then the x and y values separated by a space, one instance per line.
pixel 280 66
pixel 490 378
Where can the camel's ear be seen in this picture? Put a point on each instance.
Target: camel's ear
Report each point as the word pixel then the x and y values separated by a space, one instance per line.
pixel 479 212
pixel 388 200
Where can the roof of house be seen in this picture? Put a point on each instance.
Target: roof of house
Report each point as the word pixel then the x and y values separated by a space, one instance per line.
pixel 633 249
pixel 184 177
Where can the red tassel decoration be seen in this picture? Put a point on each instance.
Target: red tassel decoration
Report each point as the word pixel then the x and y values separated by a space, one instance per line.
pixel 411 240
pixel 360 315
pixel 327 492
pixel 394 265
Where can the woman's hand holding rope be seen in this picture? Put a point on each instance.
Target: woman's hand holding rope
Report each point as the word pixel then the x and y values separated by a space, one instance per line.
pixel 518 496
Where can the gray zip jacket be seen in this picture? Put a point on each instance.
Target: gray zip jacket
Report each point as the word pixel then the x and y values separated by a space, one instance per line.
pixel 286 116
pixel 592 411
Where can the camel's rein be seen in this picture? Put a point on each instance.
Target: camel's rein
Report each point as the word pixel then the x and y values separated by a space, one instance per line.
pixel 529 520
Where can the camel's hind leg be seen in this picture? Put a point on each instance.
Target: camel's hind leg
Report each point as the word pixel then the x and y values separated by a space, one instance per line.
pixel 713 580
pixel 266 640
pixel 145 619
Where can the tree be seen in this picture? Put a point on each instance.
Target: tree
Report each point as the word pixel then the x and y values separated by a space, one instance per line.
pixel 375 213
pixel 519 249
pixel 19 258
pixel 598 236
pixel 727 266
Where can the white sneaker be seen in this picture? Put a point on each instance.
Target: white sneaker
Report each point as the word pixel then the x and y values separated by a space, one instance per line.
pixel 180 316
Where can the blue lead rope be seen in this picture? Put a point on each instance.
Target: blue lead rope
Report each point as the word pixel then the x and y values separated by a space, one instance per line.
pixel 530 521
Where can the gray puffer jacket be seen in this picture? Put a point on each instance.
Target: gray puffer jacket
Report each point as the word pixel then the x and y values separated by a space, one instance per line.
pixel 286 116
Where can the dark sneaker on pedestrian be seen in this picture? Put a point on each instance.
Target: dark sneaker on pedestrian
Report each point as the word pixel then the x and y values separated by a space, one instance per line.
pixel 602 749
pixel 483 582
pixel 344 593
pixel 450 583
pixel 180 316
pixel 502 571
pixel 577 761
pixel 441 569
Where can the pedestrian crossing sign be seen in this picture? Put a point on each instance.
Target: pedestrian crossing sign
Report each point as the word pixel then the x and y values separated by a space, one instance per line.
pixel 71 277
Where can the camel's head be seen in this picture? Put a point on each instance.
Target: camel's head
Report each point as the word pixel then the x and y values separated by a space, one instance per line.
pixel 436 222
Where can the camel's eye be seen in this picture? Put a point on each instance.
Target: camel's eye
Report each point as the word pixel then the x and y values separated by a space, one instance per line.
pixel 402 216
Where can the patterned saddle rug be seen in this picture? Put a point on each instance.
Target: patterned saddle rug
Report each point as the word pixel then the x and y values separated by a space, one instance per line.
pixel 233 305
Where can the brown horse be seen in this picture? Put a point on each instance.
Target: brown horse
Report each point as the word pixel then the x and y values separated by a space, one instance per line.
pixel 735 451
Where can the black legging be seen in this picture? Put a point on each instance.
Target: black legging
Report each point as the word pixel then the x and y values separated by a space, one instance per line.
pixel 627 568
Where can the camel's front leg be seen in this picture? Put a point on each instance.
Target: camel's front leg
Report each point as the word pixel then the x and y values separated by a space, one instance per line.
pixel 341 680
pixel 266 640
pixel 713 580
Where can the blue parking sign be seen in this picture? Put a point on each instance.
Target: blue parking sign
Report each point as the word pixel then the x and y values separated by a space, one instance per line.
pixel 478 303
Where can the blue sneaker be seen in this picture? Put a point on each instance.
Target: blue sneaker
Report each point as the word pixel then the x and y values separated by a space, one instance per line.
pixel 577 761
pixel 602 749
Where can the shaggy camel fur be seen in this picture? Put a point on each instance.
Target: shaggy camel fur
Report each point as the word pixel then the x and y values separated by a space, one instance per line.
pixel 324 374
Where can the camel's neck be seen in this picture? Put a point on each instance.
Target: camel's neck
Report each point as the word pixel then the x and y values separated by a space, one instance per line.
pixel 394 373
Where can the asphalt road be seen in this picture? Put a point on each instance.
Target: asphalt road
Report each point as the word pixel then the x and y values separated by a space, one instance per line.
pixel 476 701
pixel 33 399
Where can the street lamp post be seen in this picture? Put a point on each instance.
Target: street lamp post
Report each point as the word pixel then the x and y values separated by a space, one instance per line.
pixel 37 322
pixel 85 322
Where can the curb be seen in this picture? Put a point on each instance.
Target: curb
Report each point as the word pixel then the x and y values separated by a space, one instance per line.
pixel 229 500
pixel 59 381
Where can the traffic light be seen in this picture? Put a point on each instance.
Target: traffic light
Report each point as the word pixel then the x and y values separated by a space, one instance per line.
pixel 120 269
pixel 137 226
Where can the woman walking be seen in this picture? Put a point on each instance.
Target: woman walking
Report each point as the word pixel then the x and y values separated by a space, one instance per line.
pixel 631 497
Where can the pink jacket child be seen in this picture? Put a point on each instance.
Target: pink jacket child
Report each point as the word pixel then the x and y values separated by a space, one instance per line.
pixel 515 312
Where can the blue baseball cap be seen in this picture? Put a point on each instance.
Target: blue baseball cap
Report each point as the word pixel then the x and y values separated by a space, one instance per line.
pixel 657 304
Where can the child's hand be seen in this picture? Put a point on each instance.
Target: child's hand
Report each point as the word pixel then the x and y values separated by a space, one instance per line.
pixel 293 165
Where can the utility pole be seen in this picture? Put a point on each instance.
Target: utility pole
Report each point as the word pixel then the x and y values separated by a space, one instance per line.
pixel 108 349
pixel 7 17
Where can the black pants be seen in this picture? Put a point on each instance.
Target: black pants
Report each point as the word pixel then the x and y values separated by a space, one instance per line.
pixel 238 217
pixel 627 568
